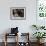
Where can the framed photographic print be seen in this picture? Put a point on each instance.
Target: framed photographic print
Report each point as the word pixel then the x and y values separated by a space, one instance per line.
pixel 17 13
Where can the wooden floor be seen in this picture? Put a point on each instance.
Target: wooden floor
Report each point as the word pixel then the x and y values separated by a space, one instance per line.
pixel 13 44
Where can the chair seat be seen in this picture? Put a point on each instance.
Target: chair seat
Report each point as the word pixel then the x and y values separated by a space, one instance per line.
pixel 9 34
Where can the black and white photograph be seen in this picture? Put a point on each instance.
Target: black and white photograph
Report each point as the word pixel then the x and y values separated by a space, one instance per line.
pixel 18 13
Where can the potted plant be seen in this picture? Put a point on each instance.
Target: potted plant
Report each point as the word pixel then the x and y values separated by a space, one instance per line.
pixel 39 35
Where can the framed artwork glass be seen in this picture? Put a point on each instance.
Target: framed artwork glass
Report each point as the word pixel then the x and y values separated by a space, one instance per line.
pixel 17 13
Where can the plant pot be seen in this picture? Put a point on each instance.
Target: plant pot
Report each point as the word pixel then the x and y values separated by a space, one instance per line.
pixel 40 41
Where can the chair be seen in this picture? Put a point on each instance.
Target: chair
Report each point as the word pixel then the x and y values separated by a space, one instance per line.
pixel 8 36
pixel 14 32
pixel 25 37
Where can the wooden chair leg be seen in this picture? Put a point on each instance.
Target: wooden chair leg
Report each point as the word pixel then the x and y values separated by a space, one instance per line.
pixel 5 39
pixel 5 43
pixel 17 39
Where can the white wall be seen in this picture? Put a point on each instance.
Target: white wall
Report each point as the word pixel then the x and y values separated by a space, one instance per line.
pixel 24 25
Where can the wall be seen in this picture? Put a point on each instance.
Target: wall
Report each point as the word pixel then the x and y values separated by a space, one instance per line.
pixel 24 25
